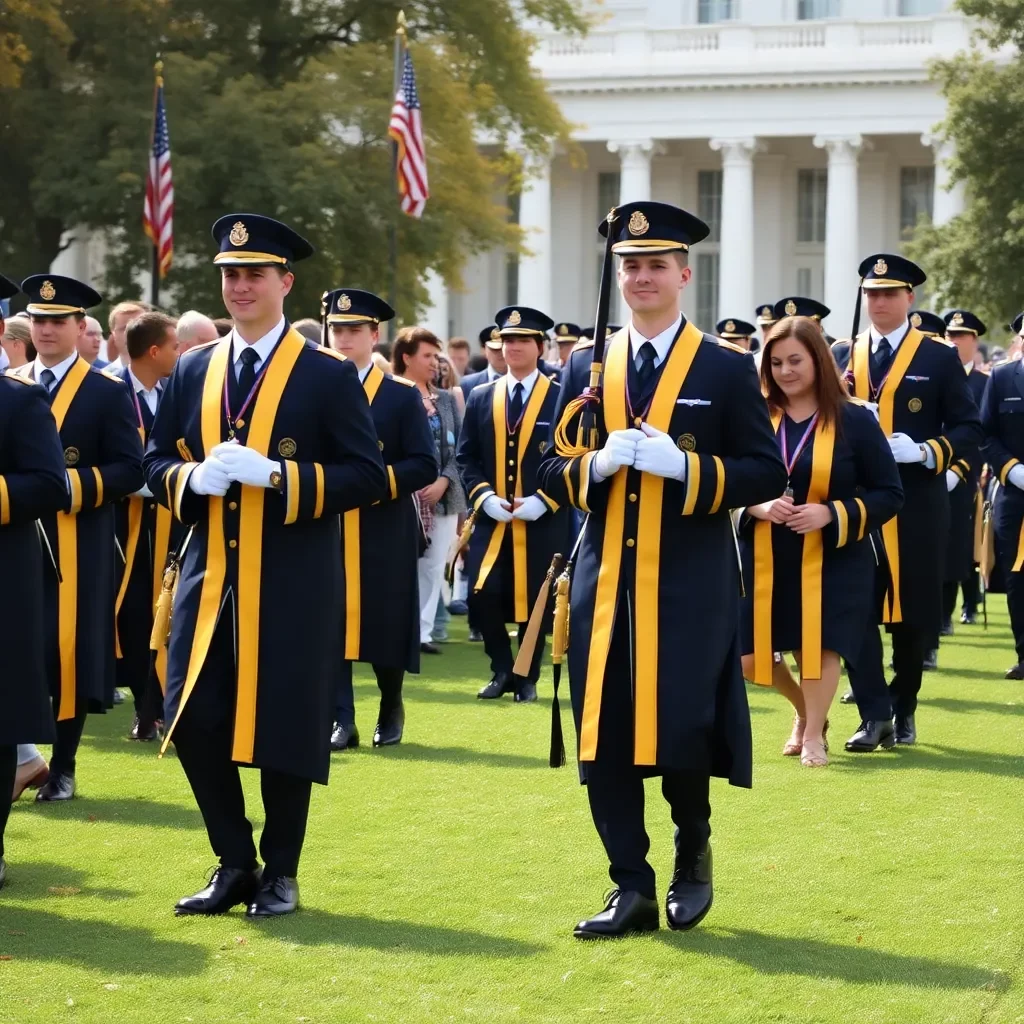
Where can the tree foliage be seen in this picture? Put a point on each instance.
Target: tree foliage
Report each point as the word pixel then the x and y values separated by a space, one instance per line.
pixel 974 261
pixel 276 108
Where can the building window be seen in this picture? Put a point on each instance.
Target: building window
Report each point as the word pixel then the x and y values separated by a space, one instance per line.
pixel 811 10
pixel 512 259
pixel 707 290
pixel 811 195
pixel 608 188
pixel 709 202
pixel 710 11
pixel 912 8
pixel 803 282
pixel 917 190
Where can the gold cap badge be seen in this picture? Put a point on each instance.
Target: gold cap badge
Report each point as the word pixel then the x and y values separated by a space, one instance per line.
pixel 239 234
pixel 791 308
pixel 958 318
pixel 562 329
pixel 915 320
pixel 344 302
pixel 495 334
pixel 513 319
pixel 47 291
pixel 766 312
pixel 881 267
pixel 639 224
pixel 730 326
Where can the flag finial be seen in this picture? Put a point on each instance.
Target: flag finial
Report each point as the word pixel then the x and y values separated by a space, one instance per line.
pixel 402 23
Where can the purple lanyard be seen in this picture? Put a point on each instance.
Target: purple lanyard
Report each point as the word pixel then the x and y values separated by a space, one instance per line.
pixel 138 408
pixel 236 421
pixel 791 463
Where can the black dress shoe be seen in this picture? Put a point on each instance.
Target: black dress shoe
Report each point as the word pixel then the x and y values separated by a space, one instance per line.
pixel 475 636
pixel 1017 672
pixel 848 698
pixel 429 649
pixel 931 661
pixel 390 725
pixel 276 896
pixel 3 872
pixel 947 627
pixel 344 737
pixel 526 693
pixel 906 730
pixel 625 913
pixel 497 687
pixel 691 893
pixel 968 618
pixel 57 787
pixel 144 732
pixel 870 736
pixel 228 887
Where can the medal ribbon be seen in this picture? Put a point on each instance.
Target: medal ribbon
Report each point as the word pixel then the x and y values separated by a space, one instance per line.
pixel 808 432
pixel 232 420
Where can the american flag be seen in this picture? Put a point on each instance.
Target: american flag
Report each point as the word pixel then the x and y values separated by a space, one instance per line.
pixel 158 212
pixel 406 128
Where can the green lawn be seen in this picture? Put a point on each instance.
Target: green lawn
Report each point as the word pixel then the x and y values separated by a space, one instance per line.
pixel 441 879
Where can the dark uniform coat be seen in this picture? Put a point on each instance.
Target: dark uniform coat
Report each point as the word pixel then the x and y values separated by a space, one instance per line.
pixel 103 455
pixel 146 532
pixel 494 458
pixel 654 662
pixel 925 396
pixel 965 499
pixel 816 591
pixel 270 558
pixel 32 484
pixel 381 623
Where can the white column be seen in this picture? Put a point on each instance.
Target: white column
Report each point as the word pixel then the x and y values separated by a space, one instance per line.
pixel 842 255
pixel 435 316
pixel 948 201
pixel 634 169
pixel 535 220
pixel 736 245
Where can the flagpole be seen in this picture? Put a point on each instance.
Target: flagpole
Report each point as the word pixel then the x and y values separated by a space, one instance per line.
pixel 154 287
pixel 393 227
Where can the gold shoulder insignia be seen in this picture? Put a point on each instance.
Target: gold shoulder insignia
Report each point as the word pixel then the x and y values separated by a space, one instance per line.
pixel 13 376
pixel 839 341
pixel 486 384
pixel 330 352
pixel 582 345
pixel 111 376
pixel 722 343
pixel 200 348
pixel 403 380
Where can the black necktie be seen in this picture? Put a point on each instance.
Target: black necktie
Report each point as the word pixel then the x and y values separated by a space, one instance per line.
pixel 645 374
pixel 247 375
pixel 515 407
pixel 46 378
pixel 881 359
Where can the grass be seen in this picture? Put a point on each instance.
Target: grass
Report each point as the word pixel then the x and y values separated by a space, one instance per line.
pixel 441 879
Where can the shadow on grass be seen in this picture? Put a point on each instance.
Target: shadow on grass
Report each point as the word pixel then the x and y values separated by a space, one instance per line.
pixel 459 755
pixel 979 706
pixel 935 757
pixel 37 879
pixel 776 954
pixel 114 743
pixel 322 928
pixel 988 675
pixel 95 945
pixel 127 809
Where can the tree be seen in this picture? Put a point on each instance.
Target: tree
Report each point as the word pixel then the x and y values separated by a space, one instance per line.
pixel 277 108
pixel 974 261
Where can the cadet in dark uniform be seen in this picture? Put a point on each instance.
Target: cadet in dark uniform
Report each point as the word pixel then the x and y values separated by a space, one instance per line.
pixel 103 456
pixel 32 484
pixel 261 440
pixel 963 478
pixel 654 661
pixel 926 411
pixel 1002 420
pixel 567 335
pixel 739 332
pixel 490 339
pixel 381 620
pixel 145 530
pixel 518 526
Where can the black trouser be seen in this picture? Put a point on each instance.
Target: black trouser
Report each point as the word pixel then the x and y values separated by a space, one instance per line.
pixel 867 679
pixel 616 793
pixel 8 770
pixel 1007 528
pixel 489 616
pixel 389 682
pixel 908 650
pixel 65 743
pixel 971 595
pixel 972 591
pixel 202 739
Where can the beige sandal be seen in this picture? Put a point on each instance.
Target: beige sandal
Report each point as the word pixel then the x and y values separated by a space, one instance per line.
pixel 814 755
pixel 795 743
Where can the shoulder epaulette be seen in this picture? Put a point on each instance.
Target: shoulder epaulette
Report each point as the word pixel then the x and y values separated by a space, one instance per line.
pixel 200 348
pixel 839 341
pixel 330 352
pixel 857 401
pixel 14 376
pixel 403 380
pixel 111 376
pixel 579 346
pixel 486 384
pixel 722 343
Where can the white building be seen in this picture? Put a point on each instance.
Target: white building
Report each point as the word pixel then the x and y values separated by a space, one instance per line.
pixel 800 130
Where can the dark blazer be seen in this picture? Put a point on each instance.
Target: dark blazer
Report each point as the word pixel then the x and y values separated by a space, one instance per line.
pixel 1002 420
pixel 472 380
pixel 965 499
pixel 32 485
pixel 277 552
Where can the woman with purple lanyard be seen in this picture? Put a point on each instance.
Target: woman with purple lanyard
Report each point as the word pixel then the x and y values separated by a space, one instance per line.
pixel 808 564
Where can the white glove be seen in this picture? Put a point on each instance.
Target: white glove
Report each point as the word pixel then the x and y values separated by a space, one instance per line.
pixel 210 477
pixel 246 465
pixel 951 480
pixel 657 453
pixel 873 406
pixel 497 509
pixel 618 451
pixel 905 449
pixel 1016 476
pixel 142 492
pixel 530 510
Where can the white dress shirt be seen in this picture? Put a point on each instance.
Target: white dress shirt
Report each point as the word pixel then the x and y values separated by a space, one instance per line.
pixel 150 397
pixel 364 372
pixel 58 371
pixel 527 382
pixel 894 337
pixel 662 342
pixel 263 347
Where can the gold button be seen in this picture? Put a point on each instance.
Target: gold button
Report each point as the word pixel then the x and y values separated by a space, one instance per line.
pixel 239 424
pixel 234 543
pixel 233 505
pixel 510 478
pixel 152 504
pixel 629 543
pixel 636 422
pixel 511 444
pixel 632 497
pixel 511 462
